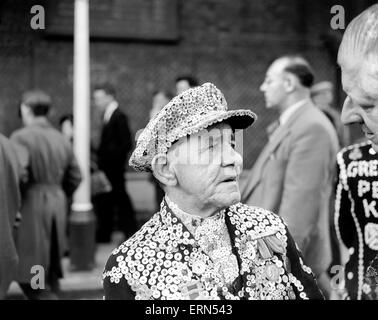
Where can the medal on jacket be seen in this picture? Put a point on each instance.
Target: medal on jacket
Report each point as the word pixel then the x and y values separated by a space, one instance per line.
pixel 199 267
pixel 272 272
pixel 192 290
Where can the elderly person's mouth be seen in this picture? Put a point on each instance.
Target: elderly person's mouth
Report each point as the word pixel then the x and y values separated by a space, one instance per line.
pixel 233 178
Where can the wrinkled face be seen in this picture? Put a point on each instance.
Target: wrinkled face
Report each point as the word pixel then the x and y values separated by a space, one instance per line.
pixel 207 167
pixel 360 83
pixel 181 86
pixel 101 99
pixel 273 85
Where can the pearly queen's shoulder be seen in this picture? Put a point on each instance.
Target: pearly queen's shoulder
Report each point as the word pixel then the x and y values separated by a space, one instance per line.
pixel 356 151
pixel 150 242
pixel 140 237
pixel 257 221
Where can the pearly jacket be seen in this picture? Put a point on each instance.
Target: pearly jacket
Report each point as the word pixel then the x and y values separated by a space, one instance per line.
pixel 164 261
pixel 356 216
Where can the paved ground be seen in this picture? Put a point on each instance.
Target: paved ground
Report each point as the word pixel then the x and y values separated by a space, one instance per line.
pixel 78 285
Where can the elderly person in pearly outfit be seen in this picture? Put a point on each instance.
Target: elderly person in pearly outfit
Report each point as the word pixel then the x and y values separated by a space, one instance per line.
pixel 204 243
pixel 358 228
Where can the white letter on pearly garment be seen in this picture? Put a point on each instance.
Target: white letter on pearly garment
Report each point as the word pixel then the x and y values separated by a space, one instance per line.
pixel 369 208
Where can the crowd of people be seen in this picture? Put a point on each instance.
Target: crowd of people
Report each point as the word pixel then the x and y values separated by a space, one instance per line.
pixel 305 212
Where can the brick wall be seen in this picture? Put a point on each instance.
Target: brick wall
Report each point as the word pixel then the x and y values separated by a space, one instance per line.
pixel 229 43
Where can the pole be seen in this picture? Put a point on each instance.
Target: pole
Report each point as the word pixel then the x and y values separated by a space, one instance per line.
pixel 82 223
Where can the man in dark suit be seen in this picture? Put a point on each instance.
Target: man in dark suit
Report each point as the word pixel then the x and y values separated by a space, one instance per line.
pixel 114 146
pixel 293 174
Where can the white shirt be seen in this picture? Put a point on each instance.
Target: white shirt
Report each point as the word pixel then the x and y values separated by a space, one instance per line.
pixel 289 111
pixel 112 106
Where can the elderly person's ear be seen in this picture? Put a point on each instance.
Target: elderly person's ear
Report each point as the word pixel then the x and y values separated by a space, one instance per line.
pixel 162 170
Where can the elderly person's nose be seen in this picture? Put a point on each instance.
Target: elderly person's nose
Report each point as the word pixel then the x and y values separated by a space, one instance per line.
pixel 349 113
pixel 230 156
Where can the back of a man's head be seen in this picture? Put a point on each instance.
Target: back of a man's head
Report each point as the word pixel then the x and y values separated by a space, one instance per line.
pixel 185 82
pixel 360 41
pixel 38 101
pixel 322 93
pixel 192 81
pixel 107 87
pixel 300 67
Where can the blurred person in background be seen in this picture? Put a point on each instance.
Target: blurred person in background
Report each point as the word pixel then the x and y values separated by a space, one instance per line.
pixel 185 82
pixel 66 126
pixel 293 176
pixel 358 60
pixel 10 202
pixel 67 129
pixel 322 95
pixel 159 99
pixel 115 144
pixel 53 173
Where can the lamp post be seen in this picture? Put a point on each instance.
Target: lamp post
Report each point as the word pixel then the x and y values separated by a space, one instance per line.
pixel 82 222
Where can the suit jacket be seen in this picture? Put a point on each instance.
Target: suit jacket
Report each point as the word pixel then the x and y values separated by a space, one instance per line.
pixel 163 260
pixel 114 145
pixel 293 177
pixel 10 201
pixel 356 216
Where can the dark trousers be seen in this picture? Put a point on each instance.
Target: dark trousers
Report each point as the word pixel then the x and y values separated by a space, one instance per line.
pixel 114 208
pixel 53 274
